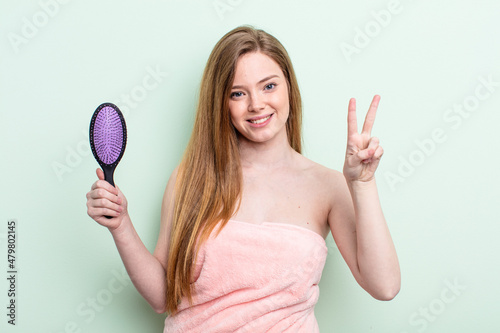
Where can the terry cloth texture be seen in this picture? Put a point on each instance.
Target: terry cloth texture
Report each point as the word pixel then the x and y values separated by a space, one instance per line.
pixel 254 278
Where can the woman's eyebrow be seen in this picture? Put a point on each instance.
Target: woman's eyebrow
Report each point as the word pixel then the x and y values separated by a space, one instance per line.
pixel 263 80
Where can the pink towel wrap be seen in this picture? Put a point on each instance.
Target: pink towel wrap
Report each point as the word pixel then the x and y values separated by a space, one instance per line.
pixel 254 278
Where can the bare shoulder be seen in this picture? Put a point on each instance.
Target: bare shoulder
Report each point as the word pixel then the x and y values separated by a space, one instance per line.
pixel 325 191
pixel 322 176
pixel 327 185
pixel 167 213
pixel 168 195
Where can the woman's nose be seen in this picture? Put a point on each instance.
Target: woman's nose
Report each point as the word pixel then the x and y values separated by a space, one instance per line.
pixel 257 103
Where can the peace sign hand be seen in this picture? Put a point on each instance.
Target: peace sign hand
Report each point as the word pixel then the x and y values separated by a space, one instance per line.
pixel 363 152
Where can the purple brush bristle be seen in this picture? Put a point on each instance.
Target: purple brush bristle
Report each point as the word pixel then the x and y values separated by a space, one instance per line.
pixel 108 135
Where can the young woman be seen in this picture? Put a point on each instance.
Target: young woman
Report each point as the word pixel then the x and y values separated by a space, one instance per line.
pixel 244 216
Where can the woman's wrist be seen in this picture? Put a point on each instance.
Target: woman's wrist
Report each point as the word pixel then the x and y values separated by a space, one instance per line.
pixel 122 226
pixel 359 185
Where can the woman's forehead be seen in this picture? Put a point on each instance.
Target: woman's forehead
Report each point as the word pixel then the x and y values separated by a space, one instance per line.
pixel 255 66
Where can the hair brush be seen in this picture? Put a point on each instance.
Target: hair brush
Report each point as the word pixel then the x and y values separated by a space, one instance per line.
pixel 108 138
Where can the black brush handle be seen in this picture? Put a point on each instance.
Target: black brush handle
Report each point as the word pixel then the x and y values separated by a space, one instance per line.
pixel 108 176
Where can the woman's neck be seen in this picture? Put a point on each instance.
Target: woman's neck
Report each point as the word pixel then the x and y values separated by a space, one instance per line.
pixel 272 154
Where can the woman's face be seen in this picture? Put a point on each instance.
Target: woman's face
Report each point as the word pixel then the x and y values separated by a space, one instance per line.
pixel 259 104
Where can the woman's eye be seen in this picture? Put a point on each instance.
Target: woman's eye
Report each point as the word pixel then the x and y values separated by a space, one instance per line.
pixel 236 94
pixel 270 86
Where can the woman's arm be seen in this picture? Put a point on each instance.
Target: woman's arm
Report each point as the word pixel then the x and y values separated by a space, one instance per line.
pixel 356 219
pixel 147 271
pixel 362 236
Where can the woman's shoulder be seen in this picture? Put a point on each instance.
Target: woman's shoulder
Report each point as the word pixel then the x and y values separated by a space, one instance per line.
pixel 322 187
pixel 318 171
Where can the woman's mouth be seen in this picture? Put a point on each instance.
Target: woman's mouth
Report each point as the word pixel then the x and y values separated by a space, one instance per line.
pixel 260 121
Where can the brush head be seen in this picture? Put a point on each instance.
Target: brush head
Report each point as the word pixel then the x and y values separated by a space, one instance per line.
pixel 108 134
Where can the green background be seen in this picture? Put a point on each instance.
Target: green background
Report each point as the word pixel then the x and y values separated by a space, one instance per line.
pixel 60 59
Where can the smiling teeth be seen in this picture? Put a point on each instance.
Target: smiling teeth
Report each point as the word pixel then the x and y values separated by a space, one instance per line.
pixel 260 121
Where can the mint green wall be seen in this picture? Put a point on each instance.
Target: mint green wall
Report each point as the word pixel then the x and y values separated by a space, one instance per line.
pixel 434 63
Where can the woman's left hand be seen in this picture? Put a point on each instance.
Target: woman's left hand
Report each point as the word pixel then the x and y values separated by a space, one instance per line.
pixel 363 152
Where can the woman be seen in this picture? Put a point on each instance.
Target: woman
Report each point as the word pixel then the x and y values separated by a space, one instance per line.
pixel 244 216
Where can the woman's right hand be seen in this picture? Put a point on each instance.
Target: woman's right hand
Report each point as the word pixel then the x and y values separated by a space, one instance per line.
pixel 105 200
